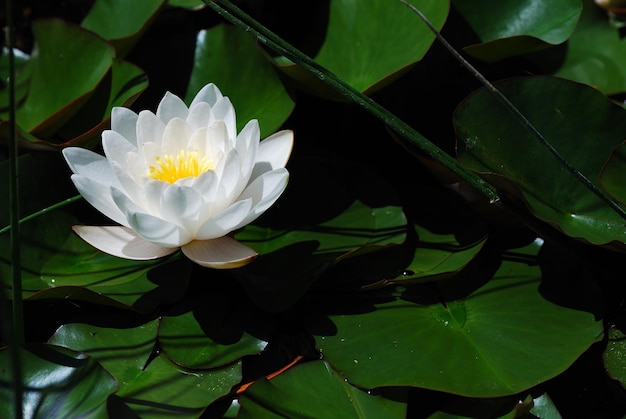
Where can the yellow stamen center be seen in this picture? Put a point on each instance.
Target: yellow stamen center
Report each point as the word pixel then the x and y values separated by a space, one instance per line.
pixel 170 168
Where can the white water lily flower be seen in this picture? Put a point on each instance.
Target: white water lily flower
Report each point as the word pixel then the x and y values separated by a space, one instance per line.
pixel 182 178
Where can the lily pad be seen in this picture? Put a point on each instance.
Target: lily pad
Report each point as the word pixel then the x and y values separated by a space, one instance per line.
pixel 69 64
pixel 438 255
pixel 615 355
pixel 313 389
pixel 120 88
pixel 613 174
pixel 254 88
pixel 57 382
pixel 513 27
pixel 185 341
pixel 56 264
pixel 603 67
pixel 472 335
pixel 360 48
pixel 491 141
pixel 152 387
pixel 121 22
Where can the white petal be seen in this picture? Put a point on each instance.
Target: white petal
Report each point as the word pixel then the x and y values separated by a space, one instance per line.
pixel 175 137
pixel 199 116
pixel 153 189
pixel 224 222
pixel 158 231
pixel 224 111
pixel 171 106
pixel 121 242
pixel 264 191
pixel 273 152
pixel 116 148
pixel 218 140
pixel 207 184
pixel 181 205
pixel 124 202
pixel 221 253
pixel 149 128
pixel 89 164
pixel 124 121
pixel 209 94
pixel 99 196
pixel 230 178
pixel 247 145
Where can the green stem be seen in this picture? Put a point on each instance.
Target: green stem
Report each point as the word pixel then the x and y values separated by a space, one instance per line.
pixel 16 338
pixel 236 16
pixel 517 114
pixel 43 211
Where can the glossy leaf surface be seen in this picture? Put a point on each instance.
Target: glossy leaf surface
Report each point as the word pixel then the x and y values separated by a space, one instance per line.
pixel 472 335
pixel 254 89
pixel 57 383
pixel 491 141
pixel 614 173
pixel 312 390
pixel 150 386
pixel 602 67
pixel 514 27
pixel 69 65
pixel 360 49
pixel 121 22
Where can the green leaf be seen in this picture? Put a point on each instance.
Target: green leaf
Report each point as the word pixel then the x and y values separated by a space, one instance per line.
pixel 615 355
pixel 68 65
pixel 357 226
pixel 612 176
pixel 57 264
pixel 121 22
pixel 21 82
pixel 57 383
pixel 120 88
pixel 544 408
pixel 360 48
pixel 184 340
pixel 188 4
pixel 513 27
pixel 602 68
pixel 491 141
pixel 472 335
pixel 313 389
pixel 254 88
pixel 152 388
pixel 439 255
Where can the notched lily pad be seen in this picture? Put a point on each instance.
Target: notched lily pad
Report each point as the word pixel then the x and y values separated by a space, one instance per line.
pixel 474 334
